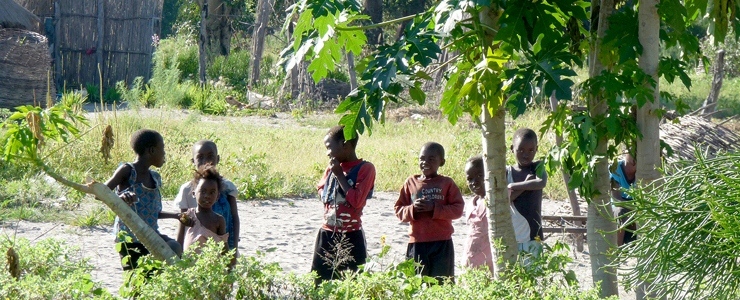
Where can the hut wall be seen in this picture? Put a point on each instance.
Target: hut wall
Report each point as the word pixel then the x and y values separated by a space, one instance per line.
pixel 25 68
pixel 123 48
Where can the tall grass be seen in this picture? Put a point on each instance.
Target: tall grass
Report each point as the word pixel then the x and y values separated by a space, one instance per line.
pixel 728 102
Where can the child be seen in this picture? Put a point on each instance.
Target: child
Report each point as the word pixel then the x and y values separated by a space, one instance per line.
pixel 345 187
pixel 207 224
pixel 478 247
pixel 624 178
pixel 429 202
pixel 139 186
pixel 205 153
pixel 526 181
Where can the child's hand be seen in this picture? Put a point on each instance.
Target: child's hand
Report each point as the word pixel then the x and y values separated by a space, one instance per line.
pixel 185 219
pixel 128 197
pixel 422 205
pixel 530 177
pixel 336 168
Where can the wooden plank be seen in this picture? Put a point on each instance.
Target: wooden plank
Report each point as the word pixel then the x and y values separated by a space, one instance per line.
pixel 566 218
pixel 576 230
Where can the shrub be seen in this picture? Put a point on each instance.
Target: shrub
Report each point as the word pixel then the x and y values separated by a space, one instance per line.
pixel 233 68
pixel 48 270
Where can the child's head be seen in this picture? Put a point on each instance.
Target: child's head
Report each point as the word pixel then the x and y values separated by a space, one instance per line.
pixel 205 152
pixel 474 175
pixel 337 147
pixel 207 182
pixel 431 157
pixel 524 146
pixel 149 144
pixel 630 166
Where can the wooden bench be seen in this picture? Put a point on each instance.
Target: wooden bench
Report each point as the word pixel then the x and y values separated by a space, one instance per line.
pixel 568 224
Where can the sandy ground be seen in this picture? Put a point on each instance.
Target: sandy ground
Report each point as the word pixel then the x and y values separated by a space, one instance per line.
pixel 288 225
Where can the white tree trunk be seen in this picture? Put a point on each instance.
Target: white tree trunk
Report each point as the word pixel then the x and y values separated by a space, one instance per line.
pixel 146 234
pixel 648 122
pixel 494 166
pixel 494 158
pixel 601 228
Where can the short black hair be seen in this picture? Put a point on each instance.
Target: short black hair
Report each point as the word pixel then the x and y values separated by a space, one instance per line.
pixel 207 172
pixel 336 133
pixel 206 143
pixel 144 139
pixel 524 134
pixel 436 147
pixel 476 161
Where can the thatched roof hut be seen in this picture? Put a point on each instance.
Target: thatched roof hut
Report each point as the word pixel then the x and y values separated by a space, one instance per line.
pixel 13 15
pixel 687 134
pixel 26 64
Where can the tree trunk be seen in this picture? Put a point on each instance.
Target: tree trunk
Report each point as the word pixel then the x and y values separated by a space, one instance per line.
pixel 374 9
pixel 264 9
pixel 202 38
pixel 494 166
pixel 494 146
pixel 351 70
pixel 648 121
pixel 710 104
pixel 218 27
pixel 601 228
pixel 146 235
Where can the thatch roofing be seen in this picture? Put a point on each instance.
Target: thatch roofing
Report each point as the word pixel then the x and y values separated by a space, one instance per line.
pixel 691 133
pixel 13 15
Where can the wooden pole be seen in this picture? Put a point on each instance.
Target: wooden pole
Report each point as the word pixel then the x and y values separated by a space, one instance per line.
pixel 101 37
pixel 710 104
pixel 202 43
pixel 264 9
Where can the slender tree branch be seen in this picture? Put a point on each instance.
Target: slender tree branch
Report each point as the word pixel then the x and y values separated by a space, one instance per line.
pixel 381 24
pixel 77 138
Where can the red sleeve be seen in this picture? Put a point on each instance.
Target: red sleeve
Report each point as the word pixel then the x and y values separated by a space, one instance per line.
pixel 404 207
pixel 322 182
pixel 454 204
pixel 357 196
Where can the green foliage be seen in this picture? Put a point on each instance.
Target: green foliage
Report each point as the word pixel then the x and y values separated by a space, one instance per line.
pixel 179 52
pixel 208 100
pixel 234 68
pixel 74 100
pixel 206 276
pixel 688 226
pixel 49 270
pixel 27 129
pixel 132 96
pixel 195 276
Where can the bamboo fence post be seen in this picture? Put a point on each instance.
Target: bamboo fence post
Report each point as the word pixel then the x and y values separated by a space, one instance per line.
pixel 202 43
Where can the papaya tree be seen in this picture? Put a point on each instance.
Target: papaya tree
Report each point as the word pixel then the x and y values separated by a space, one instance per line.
pixel 505 51
pixel 26 138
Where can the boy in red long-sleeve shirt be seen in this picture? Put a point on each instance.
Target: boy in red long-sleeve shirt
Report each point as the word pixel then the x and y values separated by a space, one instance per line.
pixel 429 202
pixel 345 187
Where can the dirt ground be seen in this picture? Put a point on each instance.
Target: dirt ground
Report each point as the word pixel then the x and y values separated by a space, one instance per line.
pixel 287 225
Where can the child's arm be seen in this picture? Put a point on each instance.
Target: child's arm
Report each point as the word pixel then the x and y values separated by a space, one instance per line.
pixel 180 233
pixel 531 183
pixel 454 206
pixel 120 180
pixel 404 207
pixel 235 219
pixel 357 196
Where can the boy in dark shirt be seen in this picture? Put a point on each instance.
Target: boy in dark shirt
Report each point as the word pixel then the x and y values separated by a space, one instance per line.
pixel 526 182
pixel 345 187
pixel 429 202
